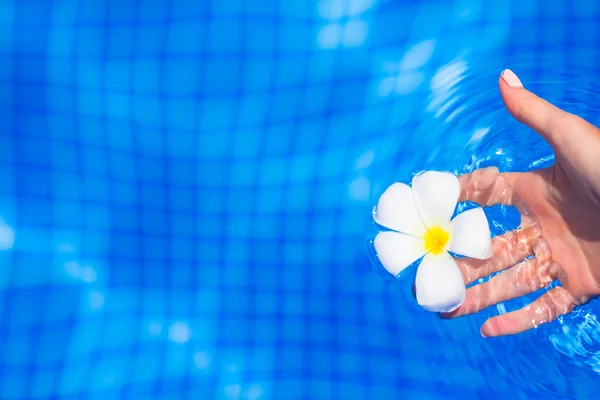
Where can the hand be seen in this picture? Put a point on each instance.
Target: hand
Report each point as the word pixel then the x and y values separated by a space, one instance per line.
pixel 560 224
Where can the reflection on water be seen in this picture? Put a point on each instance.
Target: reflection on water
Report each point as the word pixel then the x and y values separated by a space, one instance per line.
pixel 405 76
pixel 179 332
pixel 85 273
pixel 345 23
pixel 7 236
pixel 444 92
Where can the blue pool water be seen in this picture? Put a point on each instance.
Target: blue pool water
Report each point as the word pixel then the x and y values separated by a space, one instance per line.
pixel 186 191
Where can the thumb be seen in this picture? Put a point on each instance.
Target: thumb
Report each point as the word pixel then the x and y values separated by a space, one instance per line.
pixel 576 142
pixel 544 118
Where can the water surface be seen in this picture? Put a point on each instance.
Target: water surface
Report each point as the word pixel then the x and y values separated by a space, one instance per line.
pixel 186 188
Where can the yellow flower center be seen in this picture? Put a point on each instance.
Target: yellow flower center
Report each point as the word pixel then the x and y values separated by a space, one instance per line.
pixel 436 240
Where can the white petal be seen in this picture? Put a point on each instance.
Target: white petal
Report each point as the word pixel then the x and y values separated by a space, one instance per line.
pixel 436 195
pixel 397 251
pixel 439 283
pixel 396 210
pixel 471 235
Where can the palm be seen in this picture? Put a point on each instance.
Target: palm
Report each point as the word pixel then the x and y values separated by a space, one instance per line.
pixel 568 218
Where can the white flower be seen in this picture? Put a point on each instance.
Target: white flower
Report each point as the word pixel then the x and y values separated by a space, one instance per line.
pixel 419 218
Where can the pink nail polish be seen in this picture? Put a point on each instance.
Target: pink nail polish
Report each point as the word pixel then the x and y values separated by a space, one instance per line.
pixel 511 79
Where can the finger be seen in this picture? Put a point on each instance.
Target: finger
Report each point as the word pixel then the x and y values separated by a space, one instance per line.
pixel 487 187
pixel 522 279
pixel 538 114
pixel 572 138
pixel 507 250
pixel 550 305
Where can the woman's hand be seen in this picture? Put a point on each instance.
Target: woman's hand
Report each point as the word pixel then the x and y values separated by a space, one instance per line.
pixel 560 208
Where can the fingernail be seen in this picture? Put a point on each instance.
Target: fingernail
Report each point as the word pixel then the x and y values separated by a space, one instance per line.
pixel 511 79
pixel 482 334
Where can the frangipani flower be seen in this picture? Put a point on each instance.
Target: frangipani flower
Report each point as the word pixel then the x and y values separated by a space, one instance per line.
pixel 420 221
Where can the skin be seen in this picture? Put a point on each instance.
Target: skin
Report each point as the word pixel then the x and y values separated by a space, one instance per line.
pixel 560 208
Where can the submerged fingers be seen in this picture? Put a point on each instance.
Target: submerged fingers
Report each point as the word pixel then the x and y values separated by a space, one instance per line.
pixel 507 250
pixel 549 306
pixel 518 277
pixel 487 187
pixel 524 278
